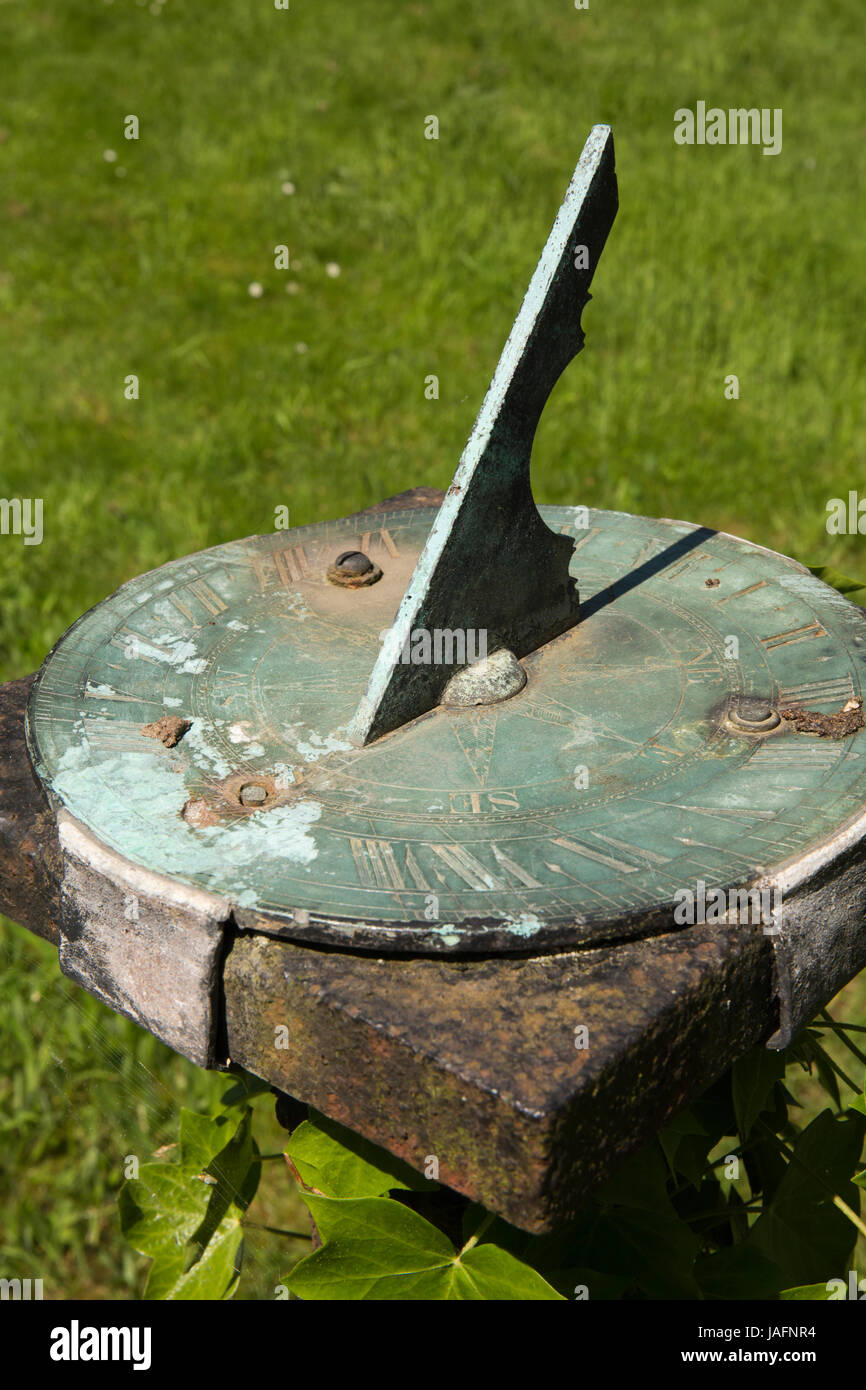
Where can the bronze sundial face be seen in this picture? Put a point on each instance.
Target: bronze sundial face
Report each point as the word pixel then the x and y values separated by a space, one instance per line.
pixel 638 758
pixel 314 770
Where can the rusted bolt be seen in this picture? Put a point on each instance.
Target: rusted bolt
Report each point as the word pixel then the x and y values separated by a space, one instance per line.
pixel 354 570
pixel 253 794
pixel 353 562
pixel 753 715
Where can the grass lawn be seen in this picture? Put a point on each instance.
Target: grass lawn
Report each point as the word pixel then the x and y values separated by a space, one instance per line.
pixel 408 257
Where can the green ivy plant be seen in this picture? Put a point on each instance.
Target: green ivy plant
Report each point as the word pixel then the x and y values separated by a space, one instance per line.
pixel 732 1200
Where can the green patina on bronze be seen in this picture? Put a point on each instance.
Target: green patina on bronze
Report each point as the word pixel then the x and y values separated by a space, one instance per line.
pixel 563 815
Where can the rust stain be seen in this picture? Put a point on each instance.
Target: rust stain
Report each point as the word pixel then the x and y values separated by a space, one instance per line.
pixel 845 721
pixel 169 730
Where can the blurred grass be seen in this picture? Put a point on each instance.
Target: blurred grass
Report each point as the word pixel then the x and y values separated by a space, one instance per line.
pixel 81 1091
pixel 721 261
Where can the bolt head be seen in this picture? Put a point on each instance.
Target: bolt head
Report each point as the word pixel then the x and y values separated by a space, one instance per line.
pixel 353 562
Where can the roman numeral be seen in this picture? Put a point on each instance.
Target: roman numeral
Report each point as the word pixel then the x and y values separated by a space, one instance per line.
pixel 476 874
pixel 384 539
pixel 741 593
pixel 288 567
pixel 129 641
pixel 699 667
pixel 793 634
pixel 207 597
pixel 818 692
pixel 92 692
pixel 376 865
pixel 782 756
pixel 689 562
pixel 467 867
pixel 646 858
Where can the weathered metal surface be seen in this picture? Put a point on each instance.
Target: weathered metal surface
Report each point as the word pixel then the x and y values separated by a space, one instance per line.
pixel 572 812
pixel 29 847
pixel 476 1061
pixel 392 1047
pixel 490 562
pixel 149 948
pixel 821 939
pixel 487 681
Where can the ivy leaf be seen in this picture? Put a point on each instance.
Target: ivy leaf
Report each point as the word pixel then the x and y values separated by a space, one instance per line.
pixel 737 1271
pixel 339 1163
pixel 187 1215
pixel 837 580
pixel 753 1078
pixel 657 1247
pixel 814 1293
pixel 859 1102
pixel 685 1144
pixel 639 1182
pixel 640 1230
pixel 376 1249
pixel 245 1088
pixel 801 1229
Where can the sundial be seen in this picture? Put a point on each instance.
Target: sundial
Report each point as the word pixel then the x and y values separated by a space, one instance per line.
pixel 479 730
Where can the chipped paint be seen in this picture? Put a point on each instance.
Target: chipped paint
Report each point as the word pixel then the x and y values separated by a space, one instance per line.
pixel 527 924
pixel 314 746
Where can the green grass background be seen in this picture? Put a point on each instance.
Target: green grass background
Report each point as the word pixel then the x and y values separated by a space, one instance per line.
pixel 311 396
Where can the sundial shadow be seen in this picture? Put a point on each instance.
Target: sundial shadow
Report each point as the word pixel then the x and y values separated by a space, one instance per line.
pixel 645 571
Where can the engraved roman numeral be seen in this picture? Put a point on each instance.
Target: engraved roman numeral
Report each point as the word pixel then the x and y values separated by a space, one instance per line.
pixel 794 634
pixel 92 693
pixel 467 867
pixel 741 593
pixel 699 667
pixel 132 642
pixel 783 756
pixel 288 567
pixel 383 538
pixel 376 865
pixel 207 597
pixel 689 562
pixel 646 858
pixel 512 867
pixel 837 690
